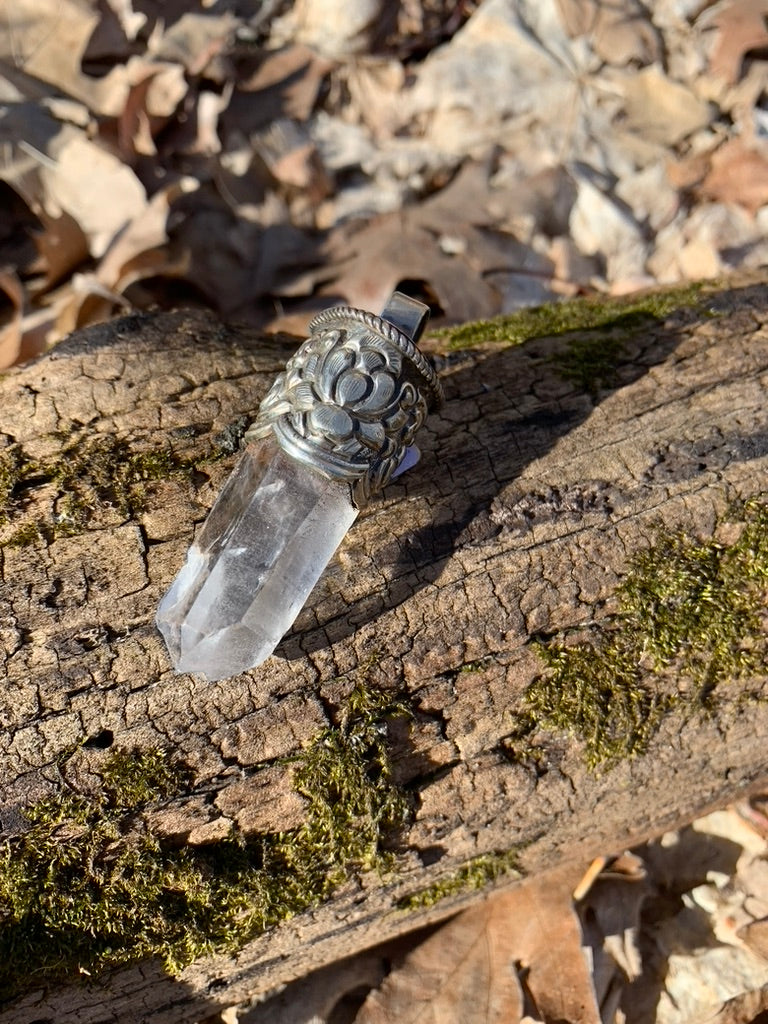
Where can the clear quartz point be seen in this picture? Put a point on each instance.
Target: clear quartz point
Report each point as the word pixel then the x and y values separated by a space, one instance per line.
pixel 267 540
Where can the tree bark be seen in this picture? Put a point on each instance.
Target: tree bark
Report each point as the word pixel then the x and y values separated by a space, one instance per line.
pixel 530 499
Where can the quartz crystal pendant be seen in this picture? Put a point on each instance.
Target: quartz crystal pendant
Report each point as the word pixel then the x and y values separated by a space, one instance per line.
pixel 335 427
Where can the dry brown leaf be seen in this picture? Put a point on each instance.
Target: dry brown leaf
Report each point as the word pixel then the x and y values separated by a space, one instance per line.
pixel 621 32
pixel 661 109
pixel 86 302
pixel 549 946
pixel 137 252
pixel 61 247
pixel 288 82
pixel 292 159
pixel 601 226
pixel 749 1007
pixel 755 812
pixel 375 89
pixel 394 248
pixel 210 106
pixel 755 935
pixel 449 242
pixel 738 174
pixel 741 28
pixel 337 28
pixel 131 21
pixel 627 867
pixel 47 38
pixel 38 327
pixel 194 40
pixel 610 915
pixel 153 92
pixel 10 331
pixel 96 189
pixel 685 173
pixel 465 972
pixel 134 131
pixel 511 77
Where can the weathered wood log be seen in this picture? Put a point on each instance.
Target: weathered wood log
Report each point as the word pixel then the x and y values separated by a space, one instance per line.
pixel 552 465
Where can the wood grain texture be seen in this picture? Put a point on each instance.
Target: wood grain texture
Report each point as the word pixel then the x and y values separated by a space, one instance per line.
pixel 530 497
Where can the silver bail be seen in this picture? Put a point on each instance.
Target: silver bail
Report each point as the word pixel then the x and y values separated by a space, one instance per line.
pixel 406 314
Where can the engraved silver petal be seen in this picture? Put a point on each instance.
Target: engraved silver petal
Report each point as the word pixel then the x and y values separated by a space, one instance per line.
pixel 303 396
pixel 370 360
pixel 373 435
pixel 352 387
pixel 382 394
pixel 332 421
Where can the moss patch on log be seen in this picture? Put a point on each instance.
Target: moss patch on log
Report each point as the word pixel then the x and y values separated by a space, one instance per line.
pixel 556 318
pixel 475 874
pixel 89 477
pixel 89 886
pixel 590 360
pixel 692 615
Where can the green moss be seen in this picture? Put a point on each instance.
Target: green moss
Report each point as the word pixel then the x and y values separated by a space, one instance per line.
pixel 108 472
pixel 27 534
pixel 126 784
pixel 475 874
pixel 91 476
pixel 15 467
pixel 557 318
pixel 595 691
pixel 702 605
pixel 590 360
pixel 353 801
pixel 521 747
pixel 471 667
pixel 691 617
pixel 91 886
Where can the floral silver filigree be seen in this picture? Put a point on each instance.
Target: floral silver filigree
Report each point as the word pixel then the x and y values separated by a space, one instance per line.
pixel 351 399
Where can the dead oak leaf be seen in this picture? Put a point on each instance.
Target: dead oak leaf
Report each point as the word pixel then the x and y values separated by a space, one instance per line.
pixel 610 916
pixel 549 948
pixel 661 109
pixel 11 330
pixel 620 32
pixel 394 247
pixel 84 180
pixel 284 83
pixel 473 969
pixel 195 41
pixel 450 242
pixel 463 974
pixel 741 28
pixel 61 246
pixel 47 39
pixel 137 253
pixel 738 174
pixel 755 936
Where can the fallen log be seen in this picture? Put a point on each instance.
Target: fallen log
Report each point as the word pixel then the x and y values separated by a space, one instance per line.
pixel 546 642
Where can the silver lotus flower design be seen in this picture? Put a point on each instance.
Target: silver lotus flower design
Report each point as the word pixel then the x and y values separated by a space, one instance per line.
pixel 344 393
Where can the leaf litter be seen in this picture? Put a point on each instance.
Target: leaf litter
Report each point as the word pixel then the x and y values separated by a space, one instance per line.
pixel 273 158
pixel 673 932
